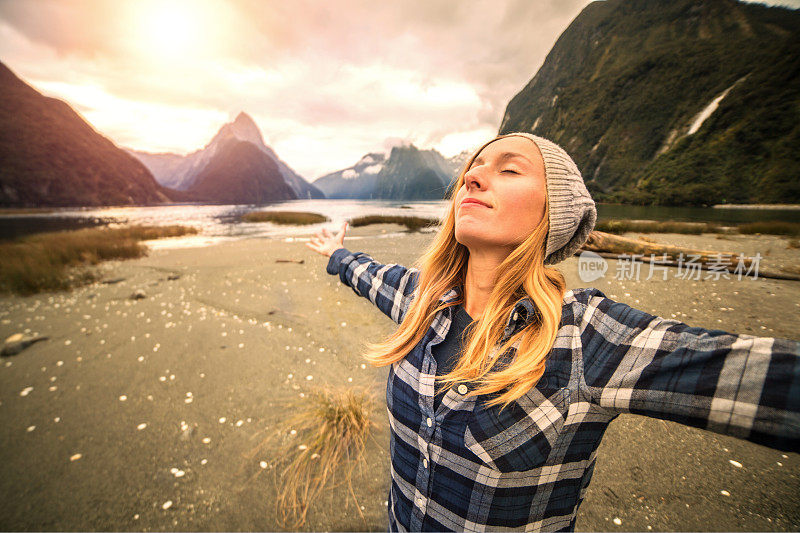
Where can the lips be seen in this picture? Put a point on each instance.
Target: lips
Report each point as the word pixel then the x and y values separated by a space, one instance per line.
pixel 473 202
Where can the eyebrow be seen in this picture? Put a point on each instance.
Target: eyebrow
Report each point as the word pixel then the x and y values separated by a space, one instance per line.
pixel 502 157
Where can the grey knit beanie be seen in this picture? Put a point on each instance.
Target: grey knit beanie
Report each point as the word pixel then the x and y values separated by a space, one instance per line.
pixel 572 210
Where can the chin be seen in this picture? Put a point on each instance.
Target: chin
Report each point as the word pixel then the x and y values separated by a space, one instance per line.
pixel 470 238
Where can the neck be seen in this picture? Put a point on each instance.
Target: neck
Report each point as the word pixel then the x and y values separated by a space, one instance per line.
pixel 481 275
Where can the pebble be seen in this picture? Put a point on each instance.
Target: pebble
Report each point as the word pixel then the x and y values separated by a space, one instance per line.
pixel 262 464
pixel 302 447
pixel 140 358
pixel 75 457
pixel 166 505
pixel 617 521
pixel 222 420
pixel 162 378
pixel 26 391
pixel 123 398
pixel 57 419
pixel 206 440
pixel 141 426
pixel 204 461
pixel 309 377
pixel 180 473
pixel 239 423
pixel 725 493
pixel 31 428
pixel 737 464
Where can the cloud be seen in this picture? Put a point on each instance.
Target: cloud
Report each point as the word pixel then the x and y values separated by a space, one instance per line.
pixel 326 82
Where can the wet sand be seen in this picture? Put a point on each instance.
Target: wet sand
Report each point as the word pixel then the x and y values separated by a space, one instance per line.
pixel 202 364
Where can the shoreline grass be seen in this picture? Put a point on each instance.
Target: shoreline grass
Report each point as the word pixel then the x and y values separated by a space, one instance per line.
pixel 25 210
pixel 57 261
pixel 325 435
pixel 411 223
pixel 791 229
pixel 285 217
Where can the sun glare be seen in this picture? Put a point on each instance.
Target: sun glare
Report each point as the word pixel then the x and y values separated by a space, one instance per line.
pixel 170 29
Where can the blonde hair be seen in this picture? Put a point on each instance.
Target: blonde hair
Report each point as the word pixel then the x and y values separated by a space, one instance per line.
pixel 523 273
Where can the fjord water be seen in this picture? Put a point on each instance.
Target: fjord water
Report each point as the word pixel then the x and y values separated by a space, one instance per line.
pixel 223 222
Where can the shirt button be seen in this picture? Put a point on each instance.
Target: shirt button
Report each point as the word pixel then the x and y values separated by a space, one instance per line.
pixel 429 422
pixel 425 463
pixel 420 502
pixel 462 389
pixel 514 316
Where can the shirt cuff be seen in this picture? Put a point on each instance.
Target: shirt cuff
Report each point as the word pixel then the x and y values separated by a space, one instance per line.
pixel 335 259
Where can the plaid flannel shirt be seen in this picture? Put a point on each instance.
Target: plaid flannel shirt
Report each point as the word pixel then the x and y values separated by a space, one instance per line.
pixel 468 467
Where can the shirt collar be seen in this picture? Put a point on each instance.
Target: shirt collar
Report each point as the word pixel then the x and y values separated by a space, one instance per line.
pixel 520 316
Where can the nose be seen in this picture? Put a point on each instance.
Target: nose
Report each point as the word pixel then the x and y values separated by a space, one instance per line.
pixel 474 179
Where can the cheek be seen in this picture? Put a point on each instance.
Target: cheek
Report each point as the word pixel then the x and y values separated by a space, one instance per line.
pixel 525 207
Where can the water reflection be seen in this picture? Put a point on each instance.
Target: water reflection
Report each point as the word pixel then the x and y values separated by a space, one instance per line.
pixel 218 223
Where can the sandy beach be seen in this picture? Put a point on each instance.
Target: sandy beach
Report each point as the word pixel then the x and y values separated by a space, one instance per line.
pixel 136 414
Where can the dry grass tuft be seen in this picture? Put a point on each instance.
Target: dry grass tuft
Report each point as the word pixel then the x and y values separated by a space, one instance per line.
pixel 296 218
pixel 412 223
pixel 332 428
pixel 54 261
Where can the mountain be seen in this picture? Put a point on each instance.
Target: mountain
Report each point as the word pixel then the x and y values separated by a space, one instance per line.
pixel 458 161
pixel 357 181
pixel 412 174
pixel 50 156
pixel 181 172
pixel 673 103
pixel 406 174
pixel 240 172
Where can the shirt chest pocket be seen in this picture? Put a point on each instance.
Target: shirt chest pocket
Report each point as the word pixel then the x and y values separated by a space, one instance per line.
pixel 521 436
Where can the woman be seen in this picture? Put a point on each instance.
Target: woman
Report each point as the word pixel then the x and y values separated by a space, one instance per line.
pixel 502 382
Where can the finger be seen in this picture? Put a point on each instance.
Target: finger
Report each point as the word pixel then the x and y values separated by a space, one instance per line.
pixel 326 233
pixel 340 235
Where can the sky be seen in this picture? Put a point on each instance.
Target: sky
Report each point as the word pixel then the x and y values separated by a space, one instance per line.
pixel 326 82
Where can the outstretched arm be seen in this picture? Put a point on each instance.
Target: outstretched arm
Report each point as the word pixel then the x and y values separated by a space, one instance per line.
pixel 389 287
pixel 739 385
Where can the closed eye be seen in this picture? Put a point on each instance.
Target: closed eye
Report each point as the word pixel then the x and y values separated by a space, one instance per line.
pixel 510 170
